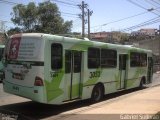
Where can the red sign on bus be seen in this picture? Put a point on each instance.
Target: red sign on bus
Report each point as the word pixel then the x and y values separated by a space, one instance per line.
pixel 14 48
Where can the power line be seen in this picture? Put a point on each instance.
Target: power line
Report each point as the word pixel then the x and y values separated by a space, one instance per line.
pixel 8 2
pixel 126 18
pixel 120 19
pixel 148 10
pixel 73 2
pixel 67 3
pixel 4 21
pixel 14 3
pixel 141 6
pixel 69 13
pixel 148 22
pixel 149 2
pixel 141 24
pixel 136 4
pixel 70 16
pixel 155 2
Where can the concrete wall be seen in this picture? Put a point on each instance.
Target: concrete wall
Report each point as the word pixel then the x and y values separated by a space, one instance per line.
pixel 151 44
pixel 154 45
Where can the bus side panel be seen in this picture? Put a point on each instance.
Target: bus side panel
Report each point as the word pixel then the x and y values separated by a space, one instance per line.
pixel 110 80
pixel 135 75
pixel 107 76
pixel 53 79
pixel 135 72
pixel 87 90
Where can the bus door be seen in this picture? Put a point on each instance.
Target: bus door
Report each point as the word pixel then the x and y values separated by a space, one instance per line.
pixel 150 69
pixel 122 70
pixel 72 74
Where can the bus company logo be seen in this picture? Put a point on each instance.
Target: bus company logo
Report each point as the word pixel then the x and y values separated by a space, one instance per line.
pixel 14 48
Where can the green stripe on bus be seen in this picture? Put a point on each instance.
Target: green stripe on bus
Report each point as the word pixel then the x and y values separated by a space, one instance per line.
pixel 54 85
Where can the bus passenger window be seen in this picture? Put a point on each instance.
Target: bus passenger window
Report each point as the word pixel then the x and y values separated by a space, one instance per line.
pixel 93 58
pixel 77 62
pixel 56 56
pixel 108 58
pixel 143 59
pixel 138 59
pixel 67 61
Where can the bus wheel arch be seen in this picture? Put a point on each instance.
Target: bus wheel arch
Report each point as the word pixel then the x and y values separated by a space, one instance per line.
pixel 97 92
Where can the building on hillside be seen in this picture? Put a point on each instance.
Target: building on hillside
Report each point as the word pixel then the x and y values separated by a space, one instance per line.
pixel 149 32
pixel 135 33
pixel 115 37
pixel 145 32
pixel 100 36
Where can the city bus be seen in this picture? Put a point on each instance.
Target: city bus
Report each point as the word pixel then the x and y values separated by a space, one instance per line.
pixel 1 63
pixel 55 69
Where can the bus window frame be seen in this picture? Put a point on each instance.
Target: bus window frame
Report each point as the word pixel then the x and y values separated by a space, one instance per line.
pixel 60 59
pixel 139 62
pixel 94 59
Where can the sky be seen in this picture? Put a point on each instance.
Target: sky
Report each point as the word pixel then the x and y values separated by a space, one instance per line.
pixel 108 15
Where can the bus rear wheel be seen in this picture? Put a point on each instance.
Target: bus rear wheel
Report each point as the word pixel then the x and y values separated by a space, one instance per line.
pixel 142 83
pixel 97 93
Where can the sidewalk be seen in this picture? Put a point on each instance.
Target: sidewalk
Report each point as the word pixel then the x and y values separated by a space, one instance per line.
pixel 143 102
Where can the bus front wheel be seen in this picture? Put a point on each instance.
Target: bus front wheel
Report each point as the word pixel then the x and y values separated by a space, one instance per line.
pixel 97 93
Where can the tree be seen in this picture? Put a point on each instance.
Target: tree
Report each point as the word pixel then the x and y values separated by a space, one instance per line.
pixel 25 16
pixel 45 18
pixel 14 31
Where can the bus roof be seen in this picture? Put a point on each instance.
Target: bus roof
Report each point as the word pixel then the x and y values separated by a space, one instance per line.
pixel 2 46
pixel 82 41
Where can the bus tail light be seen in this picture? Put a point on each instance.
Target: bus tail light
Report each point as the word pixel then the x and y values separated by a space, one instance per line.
pixel 38 81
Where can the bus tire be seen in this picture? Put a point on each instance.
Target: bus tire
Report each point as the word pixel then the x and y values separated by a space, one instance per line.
pixel 97 93
pixel 142 82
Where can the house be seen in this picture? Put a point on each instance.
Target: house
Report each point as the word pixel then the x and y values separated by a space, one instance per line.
pixel 100 36
pixel 145 32
pixel 149 32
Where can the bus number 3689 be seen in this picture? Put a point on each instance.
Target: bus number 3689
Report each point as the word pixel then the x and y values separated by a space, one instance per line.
pixel 95 74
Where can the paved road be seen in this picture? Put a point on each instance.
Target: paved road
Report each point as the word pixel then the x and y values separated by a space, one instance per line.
pixel 3 94
pixel 140 105
pixel 41 111
pixel 156 79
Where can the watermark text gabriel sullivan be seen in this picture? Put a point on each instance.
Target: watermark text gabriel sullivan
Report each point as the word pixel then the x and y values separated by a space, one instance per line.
pixel 8 117
pixel 139 116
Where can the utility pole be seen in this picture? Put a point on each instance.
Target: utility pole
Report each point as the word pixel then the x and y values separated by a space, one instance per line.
pixel 83 21
pixel 82 16
pixel 159 41
pixel 89 14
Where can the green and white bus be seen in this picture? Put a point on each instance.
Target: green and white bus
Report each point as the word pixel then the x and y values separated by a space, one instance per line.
pixel 55 69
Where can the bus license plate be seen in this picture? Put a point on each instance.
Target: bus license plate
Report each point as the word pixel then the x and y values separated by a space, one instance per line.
pixel 17 76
